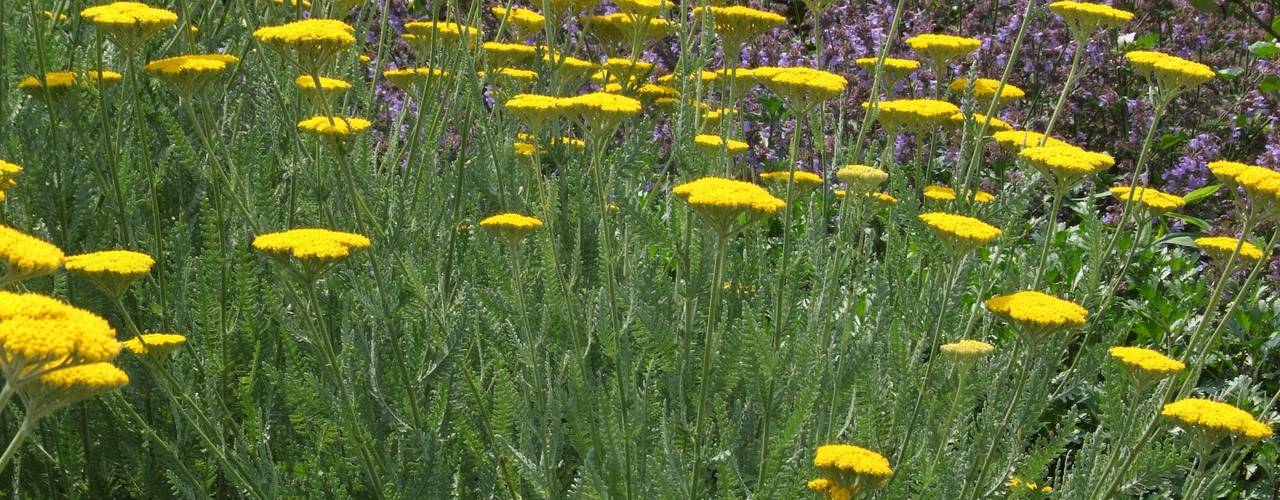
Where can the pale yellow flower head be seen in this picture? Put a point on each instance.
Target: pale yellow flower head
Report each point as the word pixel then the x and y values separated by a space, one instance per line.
pixel 1036 314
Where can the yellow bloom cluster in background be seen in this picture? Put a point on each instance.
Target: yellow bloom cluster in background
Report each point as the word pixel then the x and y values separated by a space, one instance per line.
pixel 1215 420
pixel 960 232
pixel 1145 364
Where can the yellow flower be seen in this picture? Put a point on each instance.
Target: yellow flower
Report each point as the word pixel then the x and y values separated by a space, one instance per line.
pixel 111 270
pixel 617 29
pixel 601 112
pixel 938 192
pixel 942 48
pixel 711 117
pixel 1171 74
pixel 805 87
pixel 707 77
pixel 509 80
pixel 55 16
pixel 894 69
pixel 851 468
pixel 1155 202
pixel 1065 164
pixel 1215 421
pixel 316 250
pixel 737 24
pixel 534 109
pixel 1262 185
pixel 1017 140
pixel 129 24
pixel 525 22
pixel 104 79
pixel 190 74
pixel 1084 19
pixel 1017 484
pixel 914 115
pixel 802 182
pixel 156 345
pixel 1036 314
pixel 334 127
pixel 329 89
pixel 313 42
pixel 713 144
pixel 720 201
pixel 61 388
pixel 883 200
pixel 25 256
pixel 1144 364
pixel 518 55
pixel 423 35
pixel 408 78
pixel 1226 172
pixel 861 178
pixel 959 232
pixel 967 350
pixel 571 70
pixel 984 89
pixel 57 82
pixel 39 334
pixel 642 9
pixel 1220 248
pixel 511 225
pixel 9 173
pixel 995 125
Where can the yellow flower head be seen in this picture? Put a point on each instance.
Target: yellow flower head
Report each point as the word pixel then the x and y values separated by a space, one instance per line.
pixel 328 89
pixel 1226 172
pixel 40 333
pixel 535 110
pixel 984 89
pixel 519 55
pixel 642 9
pixel 9 173
pixel 940 193
pixel 410 78
pixel 967 350
pixel 155 345
pixel 1215 421
pixel 423 36
pixel 861 178
pixel 316 250
pixel 601 112
pixel 851 467
pixel 1016 484
pixel 334 127
pixel 524 22
pixel 511 225
pixel 1145 365
pixel 509 80
pixel 572 72
pixel 802 182
pixel 1154 201
pixel 1037 314
pixel 977 119
pixel 711 117
pixel 190 74
pixel 111 270
pixel 311 42
pixel 1065 164
pixel 894 69
pixel 57 82
pixel 1084 19
pixel 805 87
pixel 737 24
pixel 942 48
pixel 883 200
pixel 914 115
pixel 1262 185
pixel 1017 140
pixel 25 256
pixel 960 233
pixel 713 145
pixel 720 201
pixel 1171 74
pixel 624 71
pixel 129 24
pixel 61 388
pixel 1221 248
pixel 616 30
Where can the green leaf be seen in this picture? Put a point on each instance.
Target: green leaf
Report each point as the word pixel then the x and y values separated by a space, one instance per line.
pixel 1206 6
pixel 1202 193
pixel 1265 50
pixel 1191 219
pixel 1146 41
pixel 1230 73
pixel 1270 84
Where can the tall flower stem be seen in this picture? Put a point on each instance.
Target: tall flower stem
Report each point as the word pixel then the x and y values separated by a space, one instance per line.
pixel 1050 233
pixel 877 80
pixel 950 426
pixel 1138 169
pixel 1072 75
pixel 28 424
pixel 1023 373
pixel 708 360
pixel 108 143
pixel 144 145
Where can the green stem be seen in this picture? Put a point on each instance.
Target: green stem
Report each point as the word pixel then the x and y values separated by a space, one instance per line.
pixel 1051 218
pixel 1072 75
pixel 1138 169
pixel 1024 373
pixel 144 145
pixel 28 423
pixel 708 358
pixel 877 78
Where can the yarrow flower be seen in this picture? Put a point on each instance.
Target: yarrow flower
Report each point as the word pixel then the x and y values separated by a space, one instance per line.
pixel 1065 165
pixel 1221 248
pixel 334 127
pixel 511 225
pixel 41 334
pixel 188 75
pixel 328 89
pixel 129 24
pixel 112 271
pixel 713 145
pixel 314 250
pixel 914 115
pixel 967 350
pixel 313 43
pixel 1145 365
pixel 1171 74
pixel 154 345
pixel 977 119
pixel 616 30
pixel 58 83
pixel 59 389
pixel 524 22
pixel 9 173
pixel 984 89
pixel 423 35
pixel 1037 314
pixel 721 201
pixel 861 178
pixel 737 25
pixel 535 110
pixel 600 112
pixel 894 69
pixel 503 54
pixel 26 256
pixel 847 470
pixel 411 79
pixel 1211 421
pixel 1155 202
pixel 1084 19
pixel 1262 185
pixel 802 181
pixel 960 233
pixel 942 48
pixel 1017 140
pixel 938 192
pixel 642 9
pixel 806 87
